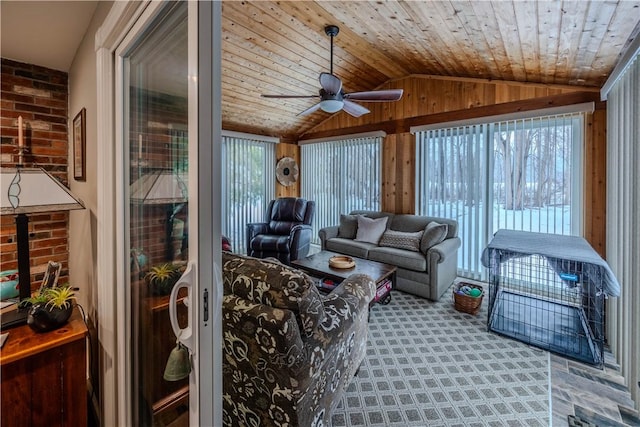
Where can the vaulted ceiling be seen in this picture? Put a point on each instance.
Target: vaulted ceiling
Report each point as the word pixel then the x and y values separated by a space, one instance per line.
pixel 281 48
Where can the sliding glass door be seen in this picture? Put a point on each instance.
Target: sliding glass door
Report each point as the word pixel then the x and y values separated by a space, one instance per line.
pixel 171 348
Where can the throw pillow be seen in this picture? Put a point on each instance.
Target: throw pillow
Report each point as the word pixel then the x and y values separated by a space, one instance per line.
pixel 370 229
pixel 402 240
pixel 434 233
pixel 348 226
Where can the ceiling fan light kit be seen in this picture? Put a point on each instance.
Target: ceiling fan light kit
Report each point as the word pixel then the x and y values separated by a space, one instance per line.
pixel 331 105
pixel 334 99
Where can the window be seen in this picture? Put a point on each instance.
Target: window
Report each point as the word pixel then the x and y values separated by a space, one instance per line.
pixel 520 174
pixel 341 176
pixel 248 171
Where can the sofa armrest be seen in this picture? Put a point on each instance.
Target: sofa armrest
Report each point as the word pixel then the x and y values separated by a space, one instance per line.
pixel 442 260
pixel 327 233
pixel 346 311
pixel 350 297
pixel 253 229
pixel 440 252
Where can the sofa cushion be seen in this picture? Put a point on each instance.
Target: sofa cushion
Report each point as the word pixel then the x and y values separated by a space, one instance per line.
pixel 349 247
pixel 402 240
pixel 399 257
pixel 408 222
pixel 348 226
pixel 434 233
pixel 370 229
pixel 274 284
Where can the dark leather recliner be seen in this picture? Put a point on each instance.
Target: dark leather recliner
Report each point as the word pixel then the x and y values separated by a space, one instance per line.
pixel 286 232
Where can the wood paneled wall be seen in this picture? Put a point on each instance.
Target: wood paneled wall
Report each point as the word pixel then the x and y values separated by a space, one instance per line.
pixel 595 183
pixel 429 99
pixel 285 149
pixel 398 185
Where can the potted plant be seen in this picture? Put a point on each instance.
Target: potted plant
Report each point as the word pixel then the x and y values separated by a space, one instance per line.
pixel 50 308
pixel 162 277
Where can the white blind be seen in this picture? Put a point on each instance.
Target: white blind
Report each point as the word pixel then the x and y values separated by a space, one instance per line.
pixel 341 176
pixel 248 171
pixel 623 221
pixel 518 174
pixel 452 168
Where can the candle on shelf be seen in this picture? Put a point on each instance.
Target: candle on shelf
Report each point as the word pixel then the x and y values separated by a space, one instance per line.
pixel 20 141
pixel 139 147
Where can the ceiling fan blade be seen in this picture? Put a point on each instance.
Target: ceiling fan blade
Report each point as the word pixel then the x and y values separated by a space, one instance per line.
pixel 310 110
pixel 330 83
pixel 354 109
pixel 375 95
pixel 289 96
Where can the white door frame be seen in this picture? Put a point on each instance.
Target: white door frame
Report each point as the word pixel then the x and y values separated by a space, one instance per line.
pixel 209 185
pixel 113 333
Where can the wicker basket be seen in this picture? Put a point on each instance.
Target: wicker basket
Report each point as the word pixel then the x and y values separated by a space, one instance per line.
pixel 467 303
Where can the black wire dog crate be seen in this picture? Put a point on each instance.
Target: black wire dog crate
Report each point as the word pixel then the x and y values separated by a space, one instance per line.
pixel 544 295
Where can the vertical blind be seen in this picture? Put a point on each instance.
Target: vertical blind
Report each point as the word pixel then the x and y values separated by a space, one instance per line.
pixel 341 176
pixel 248 171
pixel 452 167
pixel 518 174
pixel 623 221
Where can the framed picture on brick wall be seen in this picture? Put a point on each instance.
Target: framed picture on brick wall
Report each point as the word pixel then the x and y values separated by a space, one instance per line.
pixel 79 146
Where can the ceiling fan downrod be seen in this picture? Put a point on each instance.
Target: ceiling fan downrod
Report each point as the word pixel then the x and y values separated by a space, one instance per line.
pixel 331 31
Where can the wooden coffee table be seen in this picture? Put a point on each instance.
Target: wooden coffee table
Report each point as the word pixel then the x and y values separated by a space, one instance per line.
pixel 317 265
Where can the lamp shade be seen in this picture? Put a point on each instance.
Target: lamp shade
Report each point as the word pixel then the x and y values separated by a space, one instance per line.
pixel 159 187
pixel 31 190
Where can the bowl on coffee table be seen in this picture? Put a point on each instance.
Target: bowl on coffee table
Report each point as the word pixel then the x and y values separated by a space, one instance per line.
pixel 341 262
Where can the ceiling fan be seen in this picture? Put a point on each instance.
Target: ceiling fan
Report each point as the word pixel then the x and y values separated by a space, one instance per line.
pixel 334 99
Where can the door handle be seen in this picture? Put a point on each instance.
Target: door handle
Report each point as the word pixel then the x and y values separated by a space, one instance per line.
pixel 183 335
pixel 217 300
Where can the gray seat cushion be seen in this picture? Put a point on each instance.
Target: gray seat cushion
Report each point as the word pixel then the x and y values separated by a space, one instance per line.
pixel 349 247
pixel 399 257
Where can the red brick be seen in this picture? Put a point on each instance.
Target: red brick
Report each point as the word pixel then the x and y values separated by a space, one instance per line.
pixel 48 232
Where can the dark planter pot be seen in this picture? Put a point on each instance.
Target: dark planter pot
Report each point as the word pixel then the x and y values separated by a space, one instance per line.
pixel 43 319
pixel 163 288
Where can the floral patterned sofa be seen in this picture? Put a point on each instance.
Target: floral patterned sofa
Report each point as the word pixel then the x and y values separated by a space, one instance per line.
pixel 289 352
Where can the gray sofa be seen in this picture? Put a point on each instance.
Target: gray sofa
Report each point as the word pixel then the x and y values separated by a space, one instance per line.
pixel 427 270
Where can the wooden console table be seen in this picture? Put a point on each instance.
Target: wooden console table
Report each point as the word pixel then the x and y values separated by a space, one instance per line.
pixel 44 376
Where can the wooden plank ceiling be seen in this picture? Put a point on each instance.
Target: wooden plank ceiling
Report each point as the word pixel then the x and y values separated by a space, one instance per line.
pixel 281 48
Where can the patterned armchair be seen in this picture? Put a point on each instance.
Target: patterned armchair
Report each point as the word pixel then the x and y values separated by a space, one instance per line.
pixel 286 232
pixel 289 352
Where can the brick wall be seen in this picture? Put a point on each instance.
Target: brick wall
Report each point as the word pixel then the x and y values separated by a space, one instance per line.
pixel 39 95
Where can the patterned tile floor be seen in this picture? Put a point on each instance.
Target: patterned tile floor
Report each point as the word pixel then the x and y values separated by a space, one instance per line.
pixel 595 396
